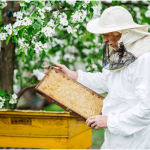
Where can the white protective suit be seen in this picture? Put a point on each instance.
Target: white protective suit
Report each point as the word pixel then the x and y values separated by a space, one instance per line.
pixel 127 104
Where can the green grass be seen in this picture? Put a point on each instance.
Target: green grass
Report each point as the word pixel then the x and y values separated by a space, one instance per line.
pixel 97 136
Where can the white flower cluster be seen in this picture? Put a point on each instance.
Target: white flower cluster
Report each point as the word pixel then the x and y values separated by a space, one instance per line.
pixel 71 49
pixel 70 57
pixel 48 31
pixel 79 16
pixel 93 66
pixel 8 28
pixel 71 30
pixel 38 74
pixel 147 13
pixel 39 46
pixel 18 15
pixel 41 12
pixel 25 22
pixel 138 15
pixel 51 23
pixel 23 45
pixel 2 103
pixel 3 4
pixel 63 19
pixel 13 100
pixel 3 36
pixel 97 10
pixel 86 1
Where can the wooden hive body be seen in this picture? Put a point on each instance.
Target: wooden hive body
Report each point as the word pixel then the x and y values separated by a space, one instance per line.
pixel 42 129
pixel 70 95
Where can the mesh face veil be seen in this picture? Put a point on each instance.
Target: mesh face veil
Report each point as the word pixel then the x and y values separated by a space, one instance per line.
pixel 116 59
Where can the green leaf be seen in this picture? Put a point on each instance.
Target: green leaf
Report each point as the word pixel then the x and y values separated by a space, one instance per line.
pixel 32 53
pixel 75 24
pixel 7 39
pixel 29 30
pixel 8 95
pixel 2 93
pixel 32 18
pixel 91 10
pixel 41 5
pixel 52 1
pixel 6 105
pixel 42 40
pixel 43 54
pixel 20 50
pixel 12 106
pixel 21 32
pixel 51 39
pixel 23 56
pixel 14 39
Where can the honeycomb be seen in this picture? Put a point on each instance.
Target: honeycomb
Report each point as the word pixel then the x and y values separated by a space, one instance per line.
pixel 71 94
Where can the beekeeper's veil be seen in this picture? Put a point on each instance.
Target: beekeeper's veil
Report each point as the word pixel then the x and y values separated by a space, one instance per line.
pixel 135 39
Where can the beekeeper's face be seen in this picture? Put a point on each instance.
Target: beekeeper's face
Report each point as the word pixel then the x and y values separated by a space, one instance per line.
pixel 112 39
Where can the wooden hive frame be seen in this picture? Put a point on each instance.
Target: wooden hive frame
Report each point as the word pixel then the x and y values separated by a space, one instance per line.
pixel 52 87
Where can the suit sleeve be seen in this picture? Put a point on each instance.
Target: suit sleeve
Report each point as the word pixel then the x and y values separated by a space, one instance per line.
pixel 97 82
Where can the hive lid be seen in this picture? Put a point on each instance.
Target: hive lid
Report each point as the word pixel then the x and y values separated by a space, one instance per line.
pixel 70 94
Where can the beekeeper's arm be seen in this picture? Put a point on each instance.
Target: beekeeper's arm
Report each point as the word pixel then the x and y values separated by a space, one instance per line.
pixel 137 118
pixel 97 82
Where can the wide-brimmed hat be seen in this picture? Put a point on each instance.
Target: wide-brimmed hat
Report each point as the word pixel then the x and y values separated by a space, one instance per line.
pixel 114 18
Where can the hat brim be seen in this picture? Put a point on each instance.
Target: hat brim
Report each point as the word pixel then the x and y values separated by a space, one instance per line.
pixel 93 27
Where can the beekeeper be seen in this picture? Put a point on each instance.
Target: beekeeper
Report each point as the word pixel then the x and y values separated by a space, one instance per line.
pixel 126 78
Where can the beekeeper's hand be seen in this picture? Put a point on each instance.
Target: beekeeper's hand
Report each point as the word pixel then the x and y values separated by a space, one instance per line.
pixel 65 70
pixel 97 122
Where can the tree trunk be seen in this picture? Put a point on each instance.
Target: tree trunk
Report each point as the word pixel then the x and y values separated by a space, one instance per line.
pixel 7 52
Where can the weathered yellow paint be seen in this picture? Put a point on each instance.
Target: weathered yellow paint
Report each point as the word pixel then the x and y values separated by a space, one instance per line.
pixel 76 126
pixel 50 130
pixel 81 140
pixel 28 142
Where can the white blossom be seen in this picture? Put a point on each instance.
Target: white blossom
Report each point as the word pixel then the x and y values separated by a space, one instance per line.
pixel 84 5
pixel 64 22
pixel 15 32
pixel 71 2
pixel 55 13
pixel 26 21
pixel 63 16
pixel 2 99
pixel 3 36
pixel 22 4
pixel 3 4
pixel 17 24
pixel 94 66
pixel 48 8
pixel 37 49
pixel 86 1
pixel 28 1
pixel 18 15
pixel 69 57
pixel 69 29
pixel 48 31
pixel 51 23
pixel 8 28
pixel 14 96
pixel 41 10
pixel 38 74
pixel 12 101
pixel 147 13
pixel 1 104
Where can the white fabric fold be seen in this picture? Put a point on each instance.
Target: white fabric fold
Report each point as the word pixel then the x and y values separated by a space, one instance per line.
pixel 127 104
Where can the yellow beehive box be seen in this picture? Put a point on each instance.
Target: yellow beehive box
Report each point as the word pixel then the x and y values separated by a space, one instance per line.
pixel 41 129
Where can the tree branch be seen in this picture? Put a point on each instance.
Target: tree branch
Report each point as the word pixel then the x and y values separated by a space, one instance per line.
pixel 25 89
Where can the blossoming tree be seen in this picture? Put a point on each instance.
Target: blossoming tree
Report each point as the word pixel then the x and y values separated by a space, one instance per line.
pixel 55 31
